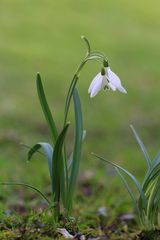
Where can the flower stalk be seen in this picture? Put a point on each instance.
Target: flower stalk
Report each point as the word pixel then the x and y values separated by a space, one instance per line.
pixel 64 169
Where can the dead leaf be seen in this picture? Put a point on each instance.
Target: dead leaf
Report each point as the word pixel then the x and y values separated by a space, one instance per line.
pixel 65 233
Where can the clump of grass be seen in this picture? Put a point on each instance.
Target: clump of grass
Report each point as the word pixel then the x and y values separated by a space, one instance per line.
pixel 147 204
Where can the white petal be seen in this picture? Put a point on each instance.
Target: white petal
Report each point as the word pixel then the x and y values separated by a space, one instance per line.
pixel 112 86
pixel 122 89
pixel 97 87
pixel 114 80
pixel 96 79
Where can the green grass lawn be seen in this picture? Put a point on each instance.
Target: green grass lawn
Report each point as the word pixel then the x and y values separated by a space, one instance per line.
pixel 44 36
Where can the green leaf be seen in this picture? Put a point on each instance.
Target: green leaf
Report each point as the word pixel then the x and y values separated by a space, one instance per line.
pixel 48 152
pixel 156 159
pixel 152 173
pixel 58 165
pixel 70 159
pixel 69 162
pixel 150 176
pixel 128 189
pixel 46 110
pixel 29 186
pixel 134 180
pixel 152 197
pixel 84 135
pixel 143 148
pixel 77 146
pixel 33 150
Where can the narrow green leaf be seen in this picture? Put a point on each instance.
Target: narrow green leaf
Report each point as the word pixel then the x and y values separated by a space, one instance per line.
pixel 69 162
pixel 77 146
pixel 149 188
pixel 152 196
pixel 128 189
pixel 33 150
pixel 156 159
pixel 29 147
pixel 46 110
pixel 70 159
pixel 48 152
pixel 143 148
pixel 150 176
pixel 152 173
pixel 84 135
pixel 58 165
pixel 29 186
pixel 134 180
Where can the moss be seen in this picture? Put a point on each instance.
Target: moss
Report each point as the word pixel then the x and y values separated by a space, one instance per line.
pixel 150 235
pixel 41 226
pixel 10 234
pixel 91 225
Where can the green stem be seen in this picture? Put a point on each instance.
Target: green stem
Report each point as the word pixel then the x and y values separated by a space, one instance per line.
pixel 71 88
pixel 90 56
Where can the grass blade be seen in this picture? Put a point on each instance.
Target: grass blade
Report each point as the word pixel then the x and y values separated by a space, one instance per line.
pixel 143 148
pixel 46 110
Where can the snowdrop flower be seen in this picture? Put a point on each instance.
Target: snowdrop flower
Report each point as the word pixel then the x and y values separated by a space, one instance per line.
pixel 98 83
pixel 105 79
pixel 113 81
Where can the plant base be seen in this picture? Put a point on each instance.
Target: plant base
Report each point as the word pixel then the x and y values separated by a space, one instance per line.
pixel 150 235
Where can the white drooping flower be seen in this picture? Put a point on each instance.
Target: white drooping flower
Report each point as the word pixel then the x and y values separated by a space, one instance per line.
pixel 105 79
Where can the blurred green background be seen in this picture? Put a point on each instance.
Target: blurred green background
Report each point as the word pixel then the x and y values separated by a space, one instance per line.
pixel 44 36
